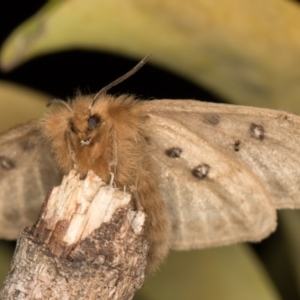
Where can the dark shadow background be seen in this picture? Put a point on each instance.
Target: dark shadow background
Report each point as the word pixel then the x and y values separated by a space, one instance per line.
pixel 61 74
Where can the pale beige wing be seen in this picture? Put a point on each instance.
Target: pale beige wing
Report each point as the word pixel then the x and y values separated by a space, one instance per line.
pixel 251 161
pixel 27 172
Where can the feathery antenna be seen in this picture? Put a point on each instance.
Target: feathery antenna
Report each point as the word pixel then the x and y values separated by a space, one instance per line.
pixel 60 102
pixel 120 79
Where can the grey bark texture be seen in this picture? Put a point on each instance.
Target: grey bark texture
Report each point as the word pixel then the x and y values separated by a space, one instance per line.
pixel 88 243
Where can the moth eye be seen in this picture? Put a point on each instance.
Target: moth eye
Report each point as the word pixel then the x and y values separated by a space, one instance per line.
pixel 73 127
pixel 201 171
pixel 173 152
pixel 6 163
pixel 257 131
pixel 93 121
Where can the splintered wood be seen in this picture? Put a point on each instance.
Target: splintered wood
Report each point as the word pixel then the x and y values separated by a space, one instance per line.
pixel 88 243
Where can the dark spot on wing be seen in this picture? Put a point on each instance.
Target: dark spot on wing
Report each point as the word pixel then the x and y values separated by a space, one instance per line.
pixel 257 131
pixel 6 163
pixel 201 171
pixel 237 146
pixel 28 144
pixel 173 152
pixel 211 119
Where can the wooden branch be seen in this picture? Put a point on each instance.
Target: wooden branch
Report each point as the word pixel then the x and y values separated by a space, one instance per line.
pixel 88 243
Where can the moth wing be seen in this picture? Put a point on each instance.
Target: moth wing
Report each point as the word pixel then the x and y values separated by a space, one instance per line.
pixel 27 172
pixel 254 167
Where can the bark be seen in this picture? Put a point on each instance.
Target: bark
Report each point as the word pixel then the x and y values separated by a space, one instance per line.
pixel 88 243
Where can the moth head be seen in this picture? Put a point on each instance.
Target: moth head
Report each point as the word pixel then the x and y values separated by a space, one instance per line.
pixel 83 124
pixel 81 132
pixel 84 127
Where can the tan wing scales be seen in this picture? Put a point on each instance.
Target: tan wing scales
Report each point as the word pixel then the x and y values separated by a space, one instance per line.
pixel 254 167
pixel 27 172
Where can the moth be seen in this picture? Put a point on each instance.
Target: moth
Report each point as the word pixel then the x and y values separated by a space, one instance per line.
pixel 205 174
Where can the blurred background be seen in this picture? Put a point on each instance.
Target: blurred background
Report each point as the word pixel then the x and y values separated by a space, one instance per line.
pixel 234 51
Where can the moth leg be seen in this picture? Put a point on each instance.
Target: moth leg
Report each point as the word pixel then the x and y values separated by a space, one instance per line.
pixel 73 160
pixel 136 199
pixel 112 182
pixel 124 189
pixel 71 149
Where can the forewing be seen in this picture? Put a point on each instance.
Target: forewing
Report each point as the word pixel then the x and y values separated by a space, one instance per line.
pixel 254 167
pixel 27 172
